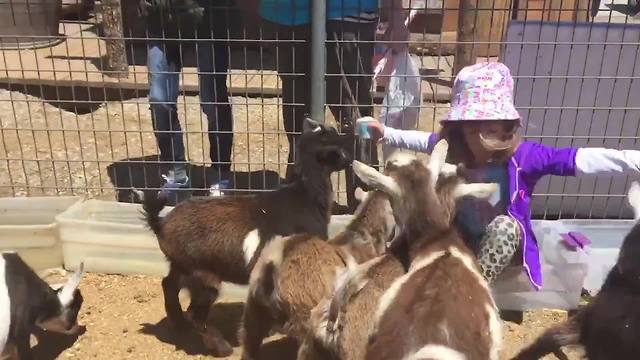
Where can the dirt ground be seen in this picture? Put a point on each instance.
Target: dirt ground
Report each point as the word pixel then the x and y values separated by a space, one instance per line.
pixel 124 318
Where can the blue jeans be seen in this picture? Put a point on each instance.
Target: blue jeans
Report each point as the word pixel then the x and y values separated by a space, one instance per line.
pixel 214 99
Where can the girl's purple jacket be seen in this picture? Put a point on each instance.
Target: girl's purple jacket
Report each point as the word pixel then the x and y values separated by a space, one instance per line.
pixel 529 163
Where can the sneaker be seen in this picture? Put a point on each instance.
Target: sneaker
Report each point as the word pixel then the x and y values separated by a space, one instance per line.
pixel 216 189
pixel 172 187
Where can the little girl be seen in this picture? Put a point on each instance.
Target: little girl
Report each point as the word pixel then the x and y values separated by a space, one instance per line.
pixel 481 128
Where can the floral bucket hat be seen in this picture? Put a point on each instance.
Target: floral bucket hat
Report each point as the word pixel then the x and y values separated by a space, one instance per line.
pixel 483 91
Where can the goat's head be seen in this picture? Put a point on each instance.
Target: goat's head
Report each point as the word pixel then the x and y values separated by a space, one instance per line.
pixel 64 317
pixel 374 224
pixel 422 194
pixel 325 146
pixel 629 257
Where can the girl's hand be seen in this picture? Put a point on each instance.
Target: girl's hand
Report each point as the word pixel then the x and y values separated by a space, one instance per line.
pixel 376 130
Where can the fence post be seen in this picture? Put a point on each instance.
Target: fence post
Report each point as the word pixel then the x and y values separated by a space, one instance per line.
pixel 112 25
pixel 318 59
pixel 466 53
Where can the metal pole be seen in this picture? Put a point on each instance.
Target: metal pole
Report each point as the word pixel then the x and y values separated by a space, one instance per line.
pixel 318 59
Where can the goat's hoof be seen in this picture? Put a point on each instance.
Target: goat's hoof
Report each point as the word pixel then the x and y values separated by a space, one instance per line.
pixel 218 346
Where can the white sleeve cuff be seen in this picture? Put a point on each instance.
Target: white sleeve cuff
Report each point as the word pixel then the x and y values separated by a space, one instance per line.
pixel 607 161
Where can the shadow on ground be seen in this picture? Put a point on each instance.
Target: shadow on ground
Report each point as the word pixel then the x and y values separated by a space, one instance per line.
pixel 226 317
pixel 144 173
pixel 51 345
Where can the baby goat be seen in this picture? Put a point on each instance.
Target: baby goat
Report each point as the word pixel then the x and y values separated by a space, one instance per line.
pixel 219 239
pixel 26 301
pixel 442 308
pixel 294 273
pixel 609 326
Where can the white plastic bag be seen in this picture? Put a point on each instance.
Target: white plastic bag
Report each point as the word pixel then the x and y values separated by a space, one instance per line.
pixel 401 103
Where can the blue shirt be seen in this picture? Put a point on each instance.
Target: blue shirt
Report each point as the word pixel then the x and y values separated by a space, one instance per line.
pixel 297 12
pixel 473 215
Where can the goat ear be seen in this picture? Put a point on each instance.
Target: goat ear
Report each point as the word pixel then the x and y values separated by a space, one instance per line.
pixel 437 160
pixel 477 190
pixel 373 178
pixel 66 293
pixel 633 197
pixel 360 194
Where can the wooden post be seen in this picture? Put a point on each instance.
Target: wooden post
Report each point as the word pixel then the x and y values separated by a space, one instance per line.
pixel 117 62
pixel 467 25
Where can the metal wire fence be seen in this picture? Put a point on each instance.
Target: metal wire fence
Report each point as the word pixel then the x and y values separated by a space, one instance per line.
pixel 73 122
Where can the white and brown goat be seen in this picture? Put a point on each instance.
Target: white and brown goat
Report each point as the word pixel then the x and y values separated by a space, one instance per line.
pixel 442 307
pixel 609 326
pixel 294 273
pixel 220 239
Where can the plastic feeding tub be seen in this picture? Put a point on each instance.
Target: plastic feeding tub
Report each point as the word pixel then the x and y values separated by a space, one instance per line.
pixel 27 226
pixel 606 237
pixel 564 268
pixel 110 237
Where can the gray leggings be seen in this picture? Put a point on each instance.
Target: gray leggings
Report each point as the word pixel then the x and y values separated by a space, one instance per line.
pixel 498 246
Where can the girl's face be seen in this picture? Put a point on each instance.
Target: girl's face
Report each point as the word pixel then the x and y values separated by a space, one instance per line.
pixel 476 134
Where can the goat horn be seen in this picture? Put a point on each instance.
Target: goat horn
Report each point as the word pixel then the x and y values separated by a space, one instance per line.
pixel 313 125
pixel 375 179
pixel 437 160
pixel 66 294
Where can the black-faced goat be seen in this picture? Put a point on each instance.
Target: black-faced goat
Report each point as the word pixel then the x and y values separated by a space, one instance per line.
pixel 609 326
pixel 442 307
pixel 27 301
pixel 220 239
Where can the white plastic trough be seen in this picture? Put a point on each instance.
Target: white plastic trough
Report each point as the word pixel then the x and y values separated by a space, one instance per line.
pixel 563 273
pixel 27 226
pixel 111 237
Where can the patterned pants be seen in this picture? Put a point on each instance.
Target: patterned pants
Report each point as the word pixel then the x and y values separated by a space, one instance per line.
pixel 498 247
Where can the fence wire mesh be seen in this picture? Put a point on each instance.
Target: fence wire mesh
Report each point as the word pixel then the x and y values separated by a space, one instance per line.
pixel 72 123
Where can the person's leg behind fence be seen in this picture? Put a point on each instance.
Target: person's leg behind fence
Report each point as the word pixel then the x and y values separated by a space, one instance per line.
pixel 213 64
pixel 163 95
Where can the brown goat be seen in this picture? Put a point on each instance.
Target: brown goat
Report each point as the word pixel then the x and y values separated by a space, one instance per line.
pixel 294 273
pixel 220 239
pixel 442 308
pixel 609 326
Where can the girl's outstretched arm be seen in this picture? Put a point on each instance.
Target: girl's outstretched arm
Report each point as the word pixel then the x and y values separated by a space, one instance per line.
pixel 607 161
pixel 539 160
pixel 407 139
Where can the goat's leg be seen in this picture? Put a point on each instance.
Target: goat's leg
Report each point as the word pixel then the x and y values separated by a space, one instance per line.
pixel 23 345
pixel 204 287
pixel 551 341
pixel 171 287
pixel 256 324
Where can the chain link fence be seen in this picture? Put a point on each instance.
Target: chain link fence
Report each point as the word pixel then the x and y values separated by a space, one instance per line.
pixel 75 120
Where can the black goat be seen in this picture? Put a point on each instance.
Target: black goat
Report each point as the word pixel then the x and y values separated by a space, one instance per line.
pixel 26 301
pixel 609 326
pixel 219 239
